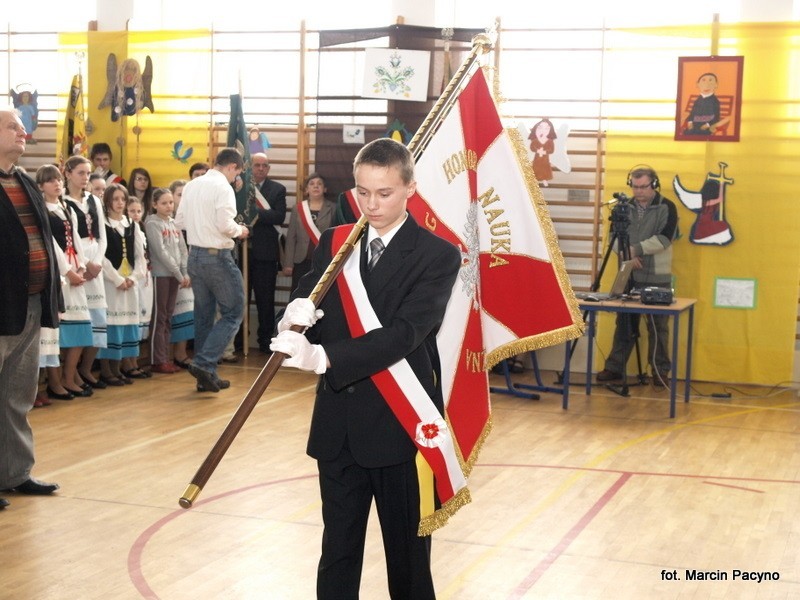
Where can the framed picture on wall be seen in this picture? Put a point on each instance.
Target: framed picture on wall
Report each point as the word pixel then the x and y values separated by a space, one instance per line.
pixel 396 74
pixel 709 103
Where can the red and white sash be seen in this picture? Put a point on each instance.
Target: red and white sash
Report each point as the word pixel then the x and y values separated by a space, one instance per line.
pixel 307 221
pixel 408 401
pixel 260 200
pixel 264 205
pixel 350 196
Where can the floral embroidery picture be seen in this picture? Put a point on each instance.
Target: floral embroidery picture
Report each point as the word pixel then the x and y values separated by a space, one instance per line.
pixel 396 74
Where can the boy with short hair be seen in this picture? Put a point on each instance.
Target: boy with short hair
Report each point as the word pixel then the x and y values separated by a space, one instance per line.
pixel 399 278
pixel 101 157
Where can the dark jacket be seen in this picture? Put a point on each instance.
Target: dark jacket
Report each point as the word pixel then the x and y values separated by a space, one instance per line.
pixel 14 264
pixel 265 236
pixel 651 235
pixel 409 289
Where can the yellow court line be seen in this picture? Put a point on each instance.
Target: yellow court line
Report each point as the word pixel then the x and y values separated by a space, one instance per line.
pixel 549 500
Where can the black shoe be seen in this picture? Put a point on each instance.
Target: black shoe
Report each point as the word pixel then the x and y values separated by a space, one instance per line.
pixel 223 384
pixel 205 379
pixel 660 379
pixel 124 378
pixel 84 392
pixel 606 375
pixel 515 365
pixel 112 380
pixel 98 385
pixel 51 394
pixel 34 487
pixel 3 503
pixel 136 373
pixel 183 364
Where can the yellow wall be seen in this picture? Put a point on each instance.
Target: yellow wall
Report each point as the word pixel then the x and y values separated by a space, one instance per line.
pixel 181 89
pixel 732 344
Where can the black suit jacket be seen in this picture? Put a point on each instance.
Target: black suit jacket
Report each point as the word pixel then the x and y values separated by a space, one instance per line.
pixel 14 265
pixel 409 289
pixel 265 237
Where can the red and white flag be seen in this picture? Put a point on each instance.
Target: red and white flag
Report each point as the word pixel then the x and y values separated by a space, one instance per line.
pixel 476 188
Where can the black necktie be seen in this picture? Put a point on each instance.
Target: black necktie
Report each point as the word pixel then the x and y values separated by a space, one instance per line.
pixel 376 248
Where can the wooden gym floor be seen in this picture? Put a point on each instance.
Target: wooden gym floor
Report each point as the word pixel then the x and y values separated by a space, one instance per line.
pixel 610 499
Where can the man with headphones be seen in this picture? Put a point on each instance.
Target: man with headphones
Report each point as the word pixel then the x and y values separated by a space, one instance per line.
pixel 653 227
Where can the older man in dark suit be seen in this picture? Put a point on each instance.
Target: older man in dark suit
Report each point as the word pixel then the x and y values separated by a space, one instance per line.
pixel 361 446
pixel 30 298
pixel 265 255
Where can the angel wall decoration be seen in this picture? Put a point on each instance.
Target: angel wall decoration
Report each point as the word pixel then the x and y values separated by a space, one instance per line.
pixel 25 100
pixel 129 88
pixel 258 141
pixel 548 149
pixel 710 226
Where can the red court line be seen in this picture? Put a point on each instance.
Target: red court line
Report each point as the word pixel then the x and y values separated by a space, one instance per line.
pixel 570 536
pixel 137 548
pixel 735 487
pixel 644 473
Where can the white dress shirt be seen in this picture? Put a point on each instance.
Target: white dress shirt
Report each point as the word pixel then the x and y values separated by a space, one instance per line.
pixel 385 238
pixel 207 212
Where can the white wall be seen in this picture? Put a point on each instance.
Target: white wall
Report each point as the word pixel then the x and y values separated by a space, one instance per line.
pixel 258 14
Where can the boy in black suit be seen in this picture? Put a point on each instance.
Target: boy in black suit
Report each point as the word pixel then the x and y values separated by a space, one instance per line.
pixel 385 309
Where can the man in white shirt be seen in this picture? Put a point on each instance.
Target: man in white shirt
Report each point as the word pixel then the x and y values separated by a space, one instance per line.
pixel 208 214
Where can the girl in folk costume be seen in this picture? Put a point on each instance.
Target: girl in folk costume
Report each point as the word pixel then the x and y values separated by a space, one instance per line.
pixel 169 259
pixel 97 185
pixel 92 233
pixel 309 219
pixel 182 329
pixel 140 186
pixel 75 324
pixel 123 265
pixel 144 286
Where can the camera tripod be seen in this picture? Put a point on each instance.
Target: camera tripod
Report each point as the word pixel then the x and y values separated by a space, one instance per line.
pixel 620 219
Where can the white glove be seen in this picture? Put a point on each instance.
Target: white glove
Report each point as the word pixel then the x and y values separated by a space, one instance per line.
pixel 299 311
pixel 302 353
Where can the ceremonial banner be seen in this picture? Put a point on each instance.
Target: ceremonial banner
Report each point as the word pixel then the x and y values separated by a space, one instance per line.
pixel 476 188
pixel 238 138
pixel 73 140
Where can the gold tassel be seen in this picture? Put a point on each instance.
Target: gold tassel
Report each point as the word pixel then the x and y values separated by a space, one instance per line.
pixel 125 268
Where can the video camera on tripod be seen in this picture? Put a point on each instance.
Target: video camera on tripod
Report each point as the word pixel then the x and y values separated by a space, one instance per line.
pixel 620 216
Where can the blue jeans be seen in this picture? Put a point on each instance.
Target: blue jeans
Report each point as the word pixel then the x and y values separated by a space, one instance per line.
pixel 216 281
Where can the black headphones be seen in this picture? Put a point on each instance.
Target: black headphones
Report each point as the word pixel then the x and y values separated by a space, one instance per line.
pixel 640 170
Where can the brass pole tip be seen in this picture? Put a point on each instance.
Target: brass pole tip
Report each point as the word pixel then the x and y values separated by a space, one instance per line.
pixel 189 496
pixel 483 40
